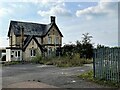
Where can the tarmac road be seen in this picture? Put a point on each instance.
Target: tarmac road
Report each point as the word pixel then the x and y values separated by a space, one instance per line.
pixel 46 74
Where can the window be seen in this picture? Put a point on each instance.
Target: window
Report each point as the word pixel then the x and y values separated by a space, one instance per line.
pixel 32 52
pixel 12 53
pixel 57 40
pixel 17 54
pixel 49 40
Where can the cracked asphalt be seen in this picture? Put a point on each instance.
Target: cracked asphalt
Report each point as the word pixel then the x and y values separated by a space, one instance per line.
pixel 47 74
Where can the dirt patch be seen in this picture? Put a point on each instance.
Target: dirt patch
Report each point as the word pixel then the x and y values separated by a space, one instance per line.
pixel 30 84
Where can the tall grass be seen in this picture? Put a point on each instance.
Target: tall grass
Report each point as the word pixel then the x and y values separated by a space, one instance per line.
pixel 64 61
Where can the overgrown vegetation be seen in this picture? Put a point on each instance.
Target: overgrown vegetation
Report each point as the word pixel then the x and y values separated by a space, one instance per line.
pixel 57 61
pixel 10 63
pixel 84 48
pixel 63 61
pixel 89 77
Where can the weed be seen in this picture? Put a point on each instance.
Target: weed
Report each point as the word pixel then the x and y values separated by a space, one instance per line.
pixel 89 76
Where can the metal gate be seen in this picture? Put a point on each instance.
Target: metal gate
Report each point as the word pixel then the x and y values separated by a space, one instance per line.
pixel 106 64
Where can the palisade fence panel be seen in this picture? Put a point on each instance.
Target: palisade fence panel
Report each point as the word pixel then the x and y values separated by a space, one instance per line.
pixel 107 64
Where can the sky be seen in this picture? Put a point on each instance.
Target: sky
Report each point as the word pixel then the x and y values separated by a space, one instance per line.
pixel 99 18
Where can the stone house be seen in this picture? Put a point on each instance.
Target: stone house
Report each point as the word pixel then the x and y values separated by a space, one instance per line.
pixel 27 39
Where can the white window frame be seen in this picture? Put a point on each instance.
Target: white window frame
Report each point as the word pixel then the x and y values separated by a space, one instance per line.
pixel 17 54
pixel 32 52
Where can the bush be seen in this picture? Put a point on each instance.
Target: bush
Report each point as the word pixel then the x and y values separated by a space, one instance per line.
pixel 67 62
pixel 36 59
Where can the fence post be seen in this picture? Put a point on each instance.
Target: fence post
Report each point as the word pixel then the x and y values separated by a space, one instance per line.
pixel 94 56
pixel 119 64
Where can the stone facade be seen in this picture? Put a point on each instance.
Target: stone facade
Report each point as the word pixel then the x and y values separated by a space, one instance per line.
pixel 31 41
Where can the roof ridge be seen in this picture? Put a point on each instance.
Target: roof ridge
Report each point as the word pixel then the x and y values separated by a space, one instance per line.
pixel 29 22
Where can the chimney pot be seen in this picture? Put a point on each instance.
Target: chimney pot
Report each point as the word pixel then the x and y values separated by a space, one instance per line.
pixel 52 19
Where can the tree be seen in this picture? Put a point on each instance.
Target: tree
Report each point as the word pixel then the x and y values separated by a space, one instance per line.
pixel 69 50
pixel 78 47
pixel 101 46
pixel 87 47
pixel 84 47
pixel 86 38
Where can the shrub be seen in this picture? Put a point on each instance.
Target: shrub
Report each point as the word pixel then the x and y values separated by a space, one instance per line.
pixel 36 59
pixel 11 63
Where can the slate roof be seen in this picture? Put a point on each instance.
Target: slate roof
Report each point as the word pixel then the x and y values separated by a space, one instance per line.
pixel 29 28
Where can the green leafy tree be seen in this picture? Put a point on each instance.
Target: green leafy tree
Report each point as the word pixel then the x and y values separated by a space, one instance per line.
pixel 87 46
pixel 78 47
pixel 69 50
pixel 86 39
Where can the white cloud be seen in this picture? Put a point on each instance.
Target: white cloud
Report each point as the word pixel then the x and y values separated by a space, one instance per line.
pixel 57 0
pixel 50 1
pixel 13 5
pixel 57 10
pixel 4 12
pixel 79 5
pixel 103 8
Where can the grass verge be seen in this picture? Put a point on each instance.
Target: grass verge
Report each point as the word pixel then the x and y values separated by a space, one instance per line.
pixel 10 63
pixel 89 77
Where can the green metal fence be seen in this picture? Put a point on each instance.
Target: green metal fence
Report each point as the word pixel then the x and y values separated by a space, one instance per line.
pixel 107 64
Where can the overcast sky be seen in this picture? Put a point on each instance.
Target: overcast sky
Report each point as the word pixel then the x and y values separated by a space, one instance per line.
pixel 98 18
